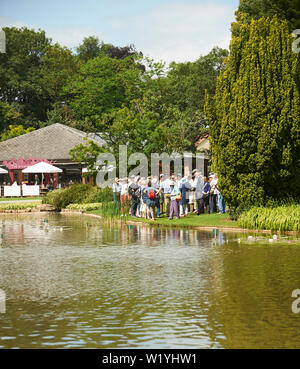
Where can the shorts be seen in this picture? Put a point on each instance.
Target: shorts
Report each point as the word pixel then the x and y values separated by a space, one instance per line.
pixel 191 197
pixel 150 203
pixel 124 199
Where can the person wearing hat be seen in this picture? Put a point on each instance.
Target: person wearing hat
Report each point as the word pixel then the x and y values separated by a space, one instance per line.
pixel 213 194
pixel 116 190
pixel 124 195
pixel 135 193
pixel 144 197
pixel 150 193
pixel 192 182
pixel 166 189
pixel 184 198
pixel 203 190
pixel 155 185
pixel 161 193
pixel 174 204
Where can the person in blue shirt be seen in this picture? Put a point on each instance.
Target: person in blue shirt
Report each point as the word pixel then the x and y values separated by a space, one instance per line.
pixel 174 204
pixel 203 189
pixel 183 203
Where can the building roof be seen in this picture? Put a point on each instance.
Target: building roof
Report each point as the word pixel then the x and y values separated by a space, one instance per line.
pixel 202 143
pixel 202 138
pixel 51 142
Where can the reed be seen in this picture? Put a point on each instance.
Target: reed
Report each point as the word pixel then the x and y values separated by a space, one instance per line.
pixel 109 209
pixel 279 218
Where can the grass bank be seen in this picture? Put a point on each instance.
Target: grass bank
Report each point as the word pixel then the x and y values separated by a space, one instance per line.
pixel 193 220
pixel 18 206
pixel 20 198
pixel 280 218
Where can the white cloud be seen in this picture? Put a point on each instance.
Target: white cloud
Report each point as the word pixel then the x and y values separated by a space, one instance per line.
pixel 66 36
pixel 180 32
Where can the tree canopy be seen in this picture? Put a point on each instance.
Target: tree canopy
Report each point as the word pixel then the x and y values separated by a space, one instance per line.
pixel 284 9
pixel 254 117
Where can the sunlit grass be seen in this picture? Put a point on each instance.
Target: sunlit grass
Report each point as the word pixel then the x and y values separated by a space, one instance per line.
pixel 192 220
pixel 19 198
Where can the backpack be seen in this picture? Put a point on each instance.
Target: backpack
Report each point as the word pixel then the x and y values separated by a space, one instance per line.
pixel 151 195
pixel 137 192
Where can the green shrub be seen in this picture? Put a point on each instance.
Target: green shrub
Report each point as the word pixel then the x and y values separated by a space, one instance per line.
pixel 280 218
pixel 236 211
pixel 85 207
pixel 75 194
pixel 102 195
pixel 55 198
pixel 18 206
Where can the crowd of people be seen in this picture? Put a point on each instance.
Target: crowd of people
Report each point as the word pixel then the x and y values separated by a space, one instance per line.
pixel 175 196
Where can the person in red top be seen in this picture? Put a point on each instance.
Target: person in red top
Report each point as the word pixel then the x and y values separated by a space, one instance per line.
pixel 150 202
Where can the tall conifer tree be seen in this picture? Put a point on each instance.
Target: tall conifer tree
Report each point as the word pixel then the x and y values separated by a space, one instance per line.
pixel 254 117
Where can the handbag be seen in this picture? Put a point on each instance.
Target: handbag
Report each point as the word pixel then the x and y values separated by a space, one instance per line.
pixel 178 197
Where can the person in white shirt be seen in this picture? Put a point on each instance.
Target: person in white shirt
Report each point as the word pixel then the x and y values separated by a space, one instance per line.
pixel 116 190
pixel 193 183
pixel 165 186
pixel 124 195
pixel 213 193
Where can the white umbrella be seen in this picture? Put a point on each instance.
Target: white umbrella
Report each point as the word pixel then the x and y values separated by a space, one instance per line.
pixel 3 171
pixel 42 167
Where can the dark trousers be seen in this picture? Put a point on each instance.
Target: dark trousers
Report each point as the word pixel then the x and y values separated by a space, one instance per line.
pixel 203 204
pixel 213 203
pixel 134 206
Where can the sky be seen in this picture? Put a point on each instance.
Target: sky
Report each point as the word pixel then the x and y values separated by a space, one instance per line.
pixel 166 30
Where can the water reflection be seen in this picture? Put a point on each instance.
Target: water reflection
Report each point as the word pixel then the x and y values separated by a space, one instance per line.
pixel 74 282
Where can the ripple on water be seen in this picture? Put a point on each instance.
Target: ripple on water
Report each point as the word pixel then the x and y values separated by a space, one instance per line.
pixel 143 287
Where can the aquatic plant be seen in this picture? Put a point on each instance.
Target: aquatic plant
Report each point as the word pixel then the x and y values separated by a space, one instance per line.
pixel 281 218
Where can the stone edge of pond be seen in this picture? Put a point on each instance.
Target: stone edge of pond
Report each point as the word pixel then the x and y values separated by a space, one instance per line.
pixel 199 228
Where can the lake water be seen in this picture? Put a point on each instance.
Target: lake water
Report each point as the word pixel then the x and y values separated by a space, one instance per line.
pixel 72 282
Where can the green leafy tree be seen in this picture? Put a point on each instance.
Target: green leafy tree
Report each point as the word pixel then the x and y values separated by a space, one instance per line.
pixel 103 86
pixel 254 118
pixel 19 72
pixel 62 113
pixel 32 73
pixel 14 131
pixel 8 115
pixel 284 9
pixel 57 67
pixel 89 49
pixel 188 81
pixel 86 155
